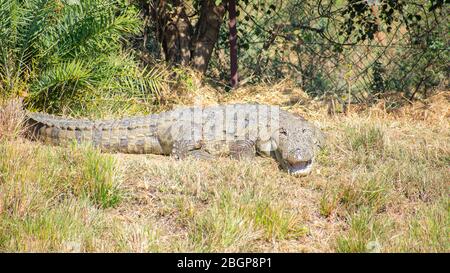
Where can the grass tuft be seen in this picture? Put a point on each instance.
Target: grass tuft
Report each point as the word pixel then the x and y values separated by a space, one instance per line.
pixel 366 138
pixel 11 119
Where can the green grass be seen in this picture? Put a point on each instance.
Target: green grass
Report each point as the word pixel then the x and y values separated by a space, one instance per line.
pixel 47 194
pixel 430 225
pixel 365 138
pixel 388 176
pixel 425 231
pixel 236 224
pixel 99 182
pixel 364 230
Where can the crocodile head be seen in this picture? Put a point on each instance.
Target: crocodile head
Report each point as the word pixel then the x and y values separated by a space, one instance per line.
pixel 296 144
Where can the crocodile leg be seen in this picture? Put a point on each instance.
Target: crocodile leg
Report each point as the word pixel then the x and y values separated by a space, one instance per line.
pixel 242 149
pixel 183 149
pixel 181 139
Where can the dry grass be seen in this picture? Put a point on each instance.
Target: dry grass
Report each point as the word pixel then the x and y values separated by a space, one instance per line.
pixel 11 119
pixel 381 184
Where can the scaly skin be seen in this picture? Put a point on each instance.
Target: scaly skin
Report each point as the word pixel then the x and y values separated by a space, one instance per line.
pixel 236 130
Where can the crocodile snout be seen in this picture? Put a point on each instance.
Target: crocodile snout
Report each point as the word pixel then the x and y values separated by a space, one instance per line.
pixel 300 155
pixel 300 161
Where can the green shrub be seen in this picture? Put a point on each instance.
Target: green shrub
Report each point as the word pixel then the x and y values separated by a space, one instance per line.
pixel 67 54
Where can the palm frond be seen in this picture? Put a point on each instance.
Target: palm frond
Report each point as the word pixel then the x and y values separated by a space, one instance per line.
pixel 91 27
pixel 72 51
pixel 125 76
pixel 37 15
pixel 21 23
pixel 64 76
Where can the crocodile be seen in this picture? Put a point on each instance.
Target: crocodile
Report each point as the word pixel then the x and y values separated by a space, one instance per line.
pixel 239 131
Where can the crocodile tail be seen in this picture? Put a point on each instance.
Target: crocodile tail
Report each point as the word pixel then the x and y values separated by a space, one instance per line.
pixel 56 130
pixel 133 135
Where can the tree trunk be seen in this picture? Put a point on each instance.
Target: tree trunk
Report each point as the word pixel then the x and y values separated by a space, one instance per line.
pixel 174 30
pixel 206 33
pixel 181 42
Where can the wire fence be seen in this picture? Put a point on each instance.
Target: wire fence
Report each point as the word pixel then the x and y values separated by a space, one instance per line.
pixel 405 60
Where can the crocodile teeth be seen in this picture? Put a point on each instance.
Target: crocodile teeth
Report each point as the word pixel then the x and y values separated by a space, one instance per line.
pixel 300 168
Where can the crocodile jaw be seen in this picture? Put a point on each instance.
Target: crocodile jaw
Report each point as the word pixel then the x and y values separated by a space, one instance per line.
pixel 301 168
